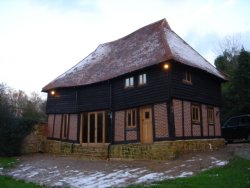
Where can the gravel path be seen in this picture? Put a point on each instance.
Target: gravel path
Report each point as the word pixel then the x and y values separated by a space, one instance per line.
pixel 58 171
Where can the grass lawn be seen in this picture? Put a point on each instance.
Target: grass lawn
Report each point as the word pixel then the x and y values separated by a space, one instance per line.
pixel 235 174
pixel 8 182
pixel 6 162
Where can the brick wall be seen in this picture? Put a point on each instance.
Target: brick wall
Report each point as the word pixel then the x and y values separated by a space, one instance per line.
pixel 177 105
pixel 57 126
pixel 187 118
pixel 196 130
pixel 50 125
pixel 204 120
pixel 217 121
pixel 161 120
pixel 73 127
pixel 131 135
pixel 211 130
pixel 119 126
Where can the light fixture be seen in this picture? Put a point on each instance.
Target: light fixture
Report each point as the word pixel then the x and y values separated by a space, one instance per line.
pixel 166 66
pixel 53 92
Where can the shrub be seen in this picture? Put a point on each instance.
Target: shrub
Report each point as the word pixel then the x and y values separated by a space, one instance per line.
pixel 13 134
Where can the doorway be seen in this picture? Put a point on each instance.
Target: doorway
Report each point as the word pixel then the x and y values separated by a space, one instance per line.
pixel 93 128
pixel 146 125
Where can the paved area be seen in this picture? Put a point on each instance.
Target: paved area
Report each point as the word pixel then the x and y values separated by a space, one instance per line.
pixel 58 171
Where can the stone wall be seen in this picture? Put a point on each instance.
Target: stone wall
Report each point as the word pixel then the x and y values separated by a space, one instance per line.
pixel 164 150
pixel 72 149
pixel 35 141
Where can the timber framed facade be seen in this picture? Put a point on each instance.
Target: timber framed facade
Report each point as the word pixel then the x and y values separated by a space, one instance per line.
pixel 147 87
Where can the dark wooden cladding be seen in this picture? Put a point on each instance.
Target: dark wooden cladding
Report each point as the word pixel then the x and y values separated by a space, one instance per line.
pixel 155 90
pixel 94 97
pixel 73 100
pixel 64 101
pixel 205 88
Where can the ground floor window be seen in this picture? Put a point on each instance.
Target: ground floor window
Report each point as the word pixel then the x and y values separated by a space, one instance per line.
pixel 196 114
pixel 210 115
pixel 131 118
pixel 65 126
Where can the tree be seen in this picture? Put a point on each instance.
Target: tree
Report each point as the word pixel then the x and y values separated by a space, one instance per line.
pixel 235 92
pixel 18 115
pixel 241 83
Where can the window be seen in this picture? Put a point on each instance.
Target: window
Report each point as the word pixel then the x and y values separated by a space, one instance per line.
pixel 142 79
pixel 65 124
pixel 195 114
pixel 129 82
pixel 131 120
pixel 93 128
pixel 187 78
pixel 210 115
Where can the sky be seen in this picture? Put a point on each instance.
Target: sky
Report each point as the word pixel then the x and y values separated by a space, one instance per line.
pixel 41 39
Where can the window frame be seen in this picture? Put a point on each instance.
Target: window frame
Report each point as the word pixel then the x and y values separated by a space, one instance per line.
pixel 65 126
pixel 210 115
pixel 129 82
pixel 195 114
pixel 142 79
pixel 187 77
pixel 131 118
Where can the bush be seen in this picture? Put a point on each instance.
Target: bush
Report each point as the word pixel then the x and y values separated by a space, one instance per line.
pixel 13 134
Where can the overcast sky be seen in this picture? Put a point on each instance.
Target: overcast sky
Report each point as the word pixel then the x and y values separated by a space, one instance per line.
pixel 41 39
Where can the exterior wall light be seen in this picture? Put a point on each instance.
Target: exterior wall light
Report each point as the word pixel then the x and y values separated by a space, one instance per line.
pixel 166 66
pixel 53 92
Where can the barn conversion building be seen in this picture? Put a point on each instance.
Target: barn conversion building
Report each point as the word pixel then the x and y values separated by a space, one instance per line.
pixel 147 87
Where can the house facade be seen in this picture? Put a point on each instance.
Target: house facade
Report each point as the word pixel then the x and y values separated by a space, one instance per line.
pixel 147 87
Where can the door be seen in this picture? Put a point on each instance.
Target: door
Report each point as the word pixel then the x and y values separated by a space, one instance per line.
pixel 146 125
pixel 92 128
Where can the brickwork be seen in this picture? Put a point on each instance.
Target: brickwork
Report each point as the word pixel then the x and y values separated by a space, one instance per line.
pixel 211 130
pixel 161 120
pixel 217 121
pixel 50 125
pixel 131 135
pixel 119 126
pixel 73 127
pixel 187 118
pixel 57 126
pixel 177 104
pixel 196 130
pixel 204 120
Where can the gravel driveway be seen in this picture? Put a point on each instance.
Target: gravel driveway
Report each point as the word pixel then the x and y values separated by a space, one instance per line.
pixel 58 171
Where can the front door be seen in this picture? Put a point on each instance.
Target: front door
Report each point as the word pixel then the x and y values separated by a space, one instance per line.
pixel 146 125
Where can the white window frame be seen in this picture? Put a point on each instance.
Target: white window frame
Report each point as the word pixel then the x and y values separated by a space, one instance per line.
pixel 143 79
pixel 129 82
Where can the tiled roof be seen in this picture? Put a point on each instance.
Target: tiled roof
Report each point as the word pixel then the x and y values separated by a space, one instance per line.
pixel 152 44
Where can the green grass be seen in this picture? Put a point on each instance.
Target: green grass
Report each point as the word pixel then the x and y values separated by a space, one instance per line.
pixel 6 162
pixel 235 174
pixel 9 182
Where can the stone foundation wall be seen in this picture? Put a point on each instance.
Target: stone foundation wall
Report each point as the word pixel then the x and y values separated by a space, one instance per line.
pixel 164 150
pixel 72 149
pixel 35 141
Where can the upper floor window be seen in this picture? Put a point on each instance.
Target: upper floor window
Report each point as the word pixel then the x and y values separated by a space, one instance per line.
pixel 187 77
pixel 195 114
pixel 142 79
pixel 131 121
pixel 129 82
pixel 210 115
